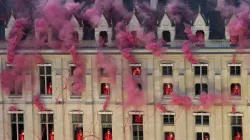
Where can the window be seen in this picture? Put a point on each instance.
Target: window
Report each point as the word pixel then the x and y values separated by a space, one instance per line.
pixel 134 34
pixel 200 35
pixel 105 89
pixel 17 125
pixel 77 122
pixel 17 88
pixel 139 86
pixel 166 36
pixel 167 89
pixel 235 89
pixel 137 125
pixel 47 126
pixel 235 69
pixel 72 68
pixel 236 124
pixel 200 88
pixel 201 118
pixel 167 69
pixel 45 79
pixel 43 36
pixel 106 120
pixel 168 119
pixel 75 36
pixel 89 31
pixel 102 72
pixel 136 70
pixel 200 69
pixel 202 136
pixel 169 136
pixel 104 36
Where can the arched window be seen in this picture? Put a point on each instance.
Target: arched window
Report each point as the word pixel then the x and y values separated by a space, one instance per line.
pixel 104 36
pixel 88 31
pixel 134 34
pixel 166 36
pixel 75 36
pixel 200 35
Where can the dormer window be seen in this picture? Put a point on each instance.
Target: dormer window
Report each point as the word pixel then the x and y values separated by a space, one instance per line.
pixel 166 36
pixel 44 36
pixel 75 36
pixel 234 39
pixel 104 36
pixel 134 34
pixel 200 35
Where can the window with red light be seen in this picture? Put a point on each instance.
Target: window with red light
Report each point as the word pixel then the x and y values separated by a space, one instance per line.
pixel 169 136
pixel 105 89
pixel 234 39
pixel 236 89
pixel 136 70
pixel 137 123
pixel 167 89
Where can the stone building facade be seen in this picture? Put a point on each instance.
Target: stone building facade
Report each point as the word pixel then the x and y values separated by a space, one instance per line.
pixel 215 74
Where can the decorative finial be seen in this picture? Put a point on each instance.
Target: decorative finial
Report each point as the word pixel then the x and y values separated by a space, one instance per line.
pixel 102 9
pixel 208 21
pixel 199 8
pixel 166 9
pixel 12 11
pixel 134 8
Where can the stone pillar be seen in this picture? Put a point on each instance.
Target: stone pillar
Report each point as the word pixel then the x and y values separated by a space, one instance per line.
pixel 89 80
pixel 119 82
pixel 109 37
pixel 2 128
pixel 150 81
pixel 149 122
pixel 28 122
pixel 158 126
pixel 88 120
pixel 58 119
pixel 186 133
pixel 117 123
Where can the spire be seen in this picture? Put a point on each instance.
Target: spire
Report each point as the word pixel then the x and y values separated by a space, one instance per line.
pixel 199 8
pixel 102 9
pixel 134 8
pixel 166 9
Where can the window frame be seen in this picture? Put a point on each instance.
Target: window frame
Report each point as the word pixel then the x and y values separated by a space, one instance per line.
pixel 138 127
pixel 200 87
pixel 231 89
pixel 133 66
pixel 45 75
pixel 169 69
pixel 78 124
pixel 200 66
pixel 201 115
pixel 233 72
pixel 169 116
pixel 13 92
pixel 46 123
pixel 101 90
pixel 107 124
pixel 17 123
pixel 203 134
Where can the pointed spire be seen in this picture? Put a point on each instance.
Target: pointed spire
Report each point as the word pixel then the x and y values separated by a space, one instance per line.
pixel 102 9
pixel 166 9
pixel 134 8
pixel 208 21
pixel 199 8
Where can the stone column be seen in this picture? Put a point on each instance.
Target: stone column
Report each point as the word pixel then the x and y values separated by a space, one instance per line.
pixel 2 128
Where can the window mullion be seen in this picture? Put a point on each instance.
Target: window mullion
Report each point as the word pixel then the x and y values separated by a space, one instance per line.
pixel 17 126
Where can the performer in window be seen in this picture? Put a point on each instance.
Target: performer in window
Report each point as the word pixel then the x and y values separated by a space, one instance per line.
pixel 51 135
pixel 108 135
pixel 238 136
pixel 170 136
pixel 136 71
pixel 79 135
pixel 168 90
pixel 138 119
pixel 236 90
pixel 49 89
pixel 21 135
pixel 106 89
pixel 206 137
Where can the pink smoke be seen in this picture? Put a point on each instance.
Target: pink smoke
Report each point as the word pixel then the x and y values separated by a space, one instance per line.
pixel 125 41
pixel 13 108
pixel 135 96
pixel 15 36
pixel 207 100
pixel 185 101
pixel 188 52
pixel 161 107
pixel 151 42
pixel 13 79
pixel 108 64
pixel 177 11
pixel 38 103
pixel 105 106
pixel 233 110
pixel 78 77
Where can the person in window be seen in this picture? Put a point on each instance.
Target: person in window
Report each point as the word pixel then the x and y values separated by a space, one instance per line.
pixel 234 39
pixel 49 89
pixel 51 135
pixel 238 136
pixel 136 71
pixel 170 136
pixel 21 135
pixel 106 89
pixel 206 138
pixel 108 135
pixel 79 135
pixel 168 89
pixel 138 118
pixel 236 90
